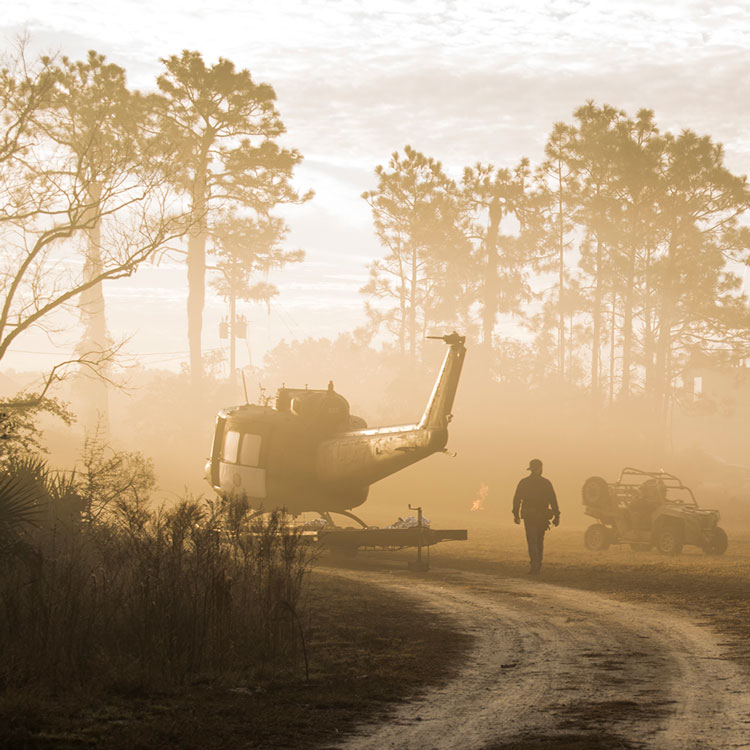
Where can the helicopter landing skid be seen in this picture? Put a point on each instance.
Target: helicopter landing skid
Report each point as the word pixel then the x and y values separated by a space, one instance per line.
pixel 326 515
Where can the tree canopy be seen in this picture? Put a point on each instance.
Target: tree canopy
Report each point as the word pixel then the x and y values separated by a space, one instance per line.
pixel 220 128
pixel 622 263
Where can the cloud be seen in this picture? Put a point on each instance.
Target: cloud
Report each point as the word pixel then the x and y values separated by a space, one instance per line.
pixel 475 80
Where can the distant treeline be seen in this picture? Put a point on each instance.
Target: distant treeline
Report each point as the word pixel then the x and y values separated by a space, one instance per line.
pixel 619 254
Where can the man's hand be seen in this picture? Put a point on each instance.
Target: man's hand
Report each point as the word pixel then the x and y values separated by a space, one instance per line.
pixel 516 519
pixel 556 521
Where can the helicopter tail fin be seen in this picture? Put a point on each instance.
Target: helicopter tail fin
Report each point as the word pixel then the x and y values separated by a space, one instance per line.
pixel 438 411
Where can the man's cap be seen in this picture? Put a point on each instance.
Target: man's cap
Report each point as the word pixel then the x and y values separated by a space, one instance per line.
pixel 535 463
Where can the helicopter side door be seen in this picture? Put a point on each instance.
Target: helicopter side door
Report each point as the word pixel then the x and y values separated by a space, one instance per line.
pixel 242 466
pixel 213 467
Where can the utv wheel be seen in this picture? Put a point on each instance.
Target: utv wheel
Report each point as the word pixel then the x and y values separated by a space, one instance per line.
pixel 596 537
pixel 669 541
pixel 718 543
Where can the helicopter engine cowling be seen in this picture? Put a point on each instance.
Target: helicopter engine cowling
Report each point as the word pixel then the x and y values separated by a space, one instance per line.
pixel 321 411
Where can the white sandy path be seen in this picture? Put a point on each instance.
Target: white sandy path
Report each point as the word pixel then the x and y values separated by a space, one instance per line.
pixel 545 655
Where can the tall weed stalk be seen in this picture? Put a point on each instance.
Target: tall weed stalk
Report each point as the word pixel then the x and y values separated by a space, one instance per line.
pixel 137 598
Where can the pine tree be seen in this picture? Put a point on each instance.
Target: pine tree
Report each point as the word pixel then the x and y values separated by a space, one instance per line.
pixel 417 214
pixel 493 195
pixel 222 128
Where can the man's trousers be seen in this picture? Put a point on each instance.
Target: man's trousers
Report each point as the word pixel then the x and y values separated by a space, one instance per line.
pixel 535 529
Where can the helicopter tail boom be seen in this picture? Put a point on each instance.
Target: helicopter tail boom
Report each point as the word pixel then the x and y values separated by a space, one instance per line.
pixel 361 457
pixel 438 411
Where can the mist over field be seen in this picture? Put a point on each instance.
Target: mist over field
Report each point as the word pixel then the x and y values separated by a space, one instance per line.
pixel 259 264
pixel 497 428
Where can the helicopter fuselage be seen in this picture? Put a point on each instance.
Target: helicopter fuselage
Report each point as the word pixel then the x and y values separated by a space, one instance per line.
pixel 308 453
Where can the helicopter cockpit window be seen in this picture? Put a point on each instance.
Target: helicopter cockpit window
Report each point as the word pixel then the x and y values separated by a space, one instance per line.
pixel 231 444
pixel 250 450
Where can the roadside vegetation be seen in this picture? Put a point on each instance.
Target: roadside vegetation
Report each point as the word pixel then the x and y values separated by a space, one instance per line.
pixel 118 594
pixel 126 624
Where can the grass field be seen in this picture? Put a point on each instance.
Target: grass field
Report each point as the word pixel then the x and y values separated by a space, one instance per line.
pixel 367 651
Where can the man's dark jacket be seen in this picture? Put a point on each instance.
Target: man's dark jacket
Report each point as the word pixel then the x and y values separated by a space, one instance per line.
pixel 535 497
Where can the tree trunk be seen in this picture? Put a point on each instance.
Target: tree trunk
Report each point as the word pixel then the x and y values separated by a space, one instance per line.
pixel 232 341
pixel 402 307
pixel 561 269
pixel 196 270
pixel 649 344
pixel 627 326
pixel 95 336
pixel 664 345
pixel 413 307
pixel 489 307
pixel 597 325
pixel 612 343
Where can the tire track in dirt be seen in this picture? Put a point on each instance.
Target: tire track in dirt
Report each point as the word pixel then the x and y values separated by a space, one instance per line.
pixel 552 662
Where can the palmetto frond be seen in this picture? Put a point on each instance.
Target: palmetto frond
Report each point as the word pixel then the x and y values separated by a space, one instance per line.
pixel 31 467
pixel 22 499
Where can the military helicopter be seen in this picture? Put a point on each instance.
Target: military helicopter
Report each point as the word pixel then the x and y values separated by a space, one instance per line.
pixel 307 453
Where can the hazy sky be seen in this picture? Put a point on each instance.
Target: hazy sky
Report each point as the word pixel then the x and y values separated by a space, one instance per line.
pixel 460 81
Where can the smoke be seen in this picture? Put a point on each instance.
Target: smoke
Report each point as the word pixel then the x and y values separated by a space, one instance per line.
pixel 478 503
pixel 497 426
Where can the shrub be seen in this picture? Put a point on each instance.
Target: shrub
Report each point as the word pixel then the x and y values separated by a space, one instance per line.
pixel 137 598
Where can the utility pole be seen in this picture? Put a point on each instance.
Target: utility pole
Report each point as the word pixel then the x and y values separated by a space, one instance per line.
pixel 232 339
pixel 233 329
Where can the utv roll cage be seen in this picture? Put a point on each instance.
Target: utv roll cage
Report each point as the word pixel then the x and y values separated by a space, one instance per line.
pixel 632 477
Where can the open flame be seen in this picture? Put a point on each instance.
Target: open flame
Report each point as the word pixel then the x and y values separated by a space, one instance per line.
pixel 478 503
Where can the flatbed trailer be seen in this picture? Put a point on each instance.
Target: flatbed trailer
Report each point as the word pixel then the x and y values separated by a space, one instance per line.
pixel 351 540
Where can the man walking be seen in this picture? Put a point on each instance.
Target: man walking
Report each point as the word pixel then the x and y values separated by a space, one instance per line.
pixel 535 501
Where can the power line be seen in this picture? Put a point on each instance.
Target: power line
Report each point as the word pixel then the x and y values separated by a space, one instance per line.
pixel 52 353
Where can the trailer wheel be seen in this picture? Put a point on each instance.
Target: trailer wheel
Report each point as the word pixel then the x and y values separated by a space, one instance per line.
pixel 596 537
pixel 718 543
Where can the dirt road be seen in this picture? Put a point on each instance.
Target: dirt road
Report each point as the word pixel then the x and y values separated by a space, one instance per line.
pixel 556 664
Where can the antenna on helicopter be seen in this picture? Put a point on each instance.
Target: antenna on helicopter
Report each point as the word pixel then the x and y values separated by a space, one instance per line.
pixel 244 385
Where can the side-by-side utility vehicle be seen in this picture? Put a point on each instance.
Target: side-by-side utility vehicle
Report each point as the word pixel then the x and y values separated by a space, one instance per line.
pixel 649 509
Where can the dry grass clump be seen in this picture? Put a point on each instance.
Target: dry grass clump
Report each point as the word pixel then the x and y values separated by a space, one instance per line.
pixel 134 598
